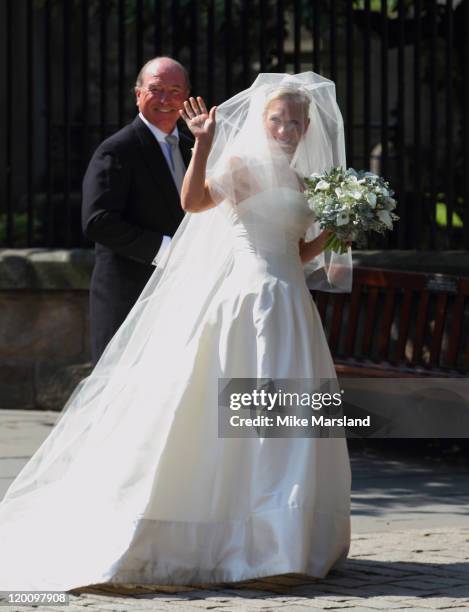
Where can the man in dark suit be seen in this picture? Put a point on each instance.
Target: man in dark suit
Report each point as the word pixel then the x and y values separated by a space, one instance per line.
pixel 131 205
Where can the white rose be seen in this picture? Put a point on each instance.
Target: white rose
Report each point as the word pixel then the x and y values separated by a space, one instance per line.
pixel 371 199
pixel 356 193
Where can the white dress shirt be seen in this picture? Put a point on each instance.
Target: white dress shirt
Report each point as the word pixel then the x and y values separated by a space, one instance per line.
pixel 160 137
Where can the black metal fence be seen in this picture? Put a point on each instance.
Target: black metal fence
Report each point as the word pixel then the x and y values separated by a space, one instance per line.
pixel 401 67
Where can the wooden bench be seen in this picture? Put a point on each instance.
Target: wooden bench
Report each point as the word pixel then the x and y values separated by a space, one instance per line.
pixel 398 324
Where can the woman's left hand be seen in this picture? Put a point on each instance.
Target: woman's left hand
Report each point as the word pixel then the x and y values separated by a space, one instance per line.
pixel 310 250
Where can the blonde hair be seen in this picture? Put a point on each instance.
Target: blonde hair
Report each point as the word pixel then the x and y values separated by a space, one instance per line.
pixel 292 94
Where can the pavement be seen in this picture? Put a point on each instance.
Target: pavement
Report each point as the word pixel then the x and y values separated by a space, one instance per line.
pixel 410 542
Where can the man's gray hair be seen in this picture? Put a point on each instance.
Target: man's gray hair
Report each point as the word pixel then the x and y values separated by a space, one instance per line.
pixel 139 81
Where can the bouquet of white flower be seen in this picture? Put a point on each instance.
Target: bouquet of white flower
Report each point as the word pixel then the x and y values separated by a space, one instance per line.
pixel 350 203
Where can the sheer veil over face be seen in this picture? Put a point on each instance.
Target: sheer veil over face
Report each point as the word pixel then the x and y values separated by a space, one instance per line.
pixel 285 121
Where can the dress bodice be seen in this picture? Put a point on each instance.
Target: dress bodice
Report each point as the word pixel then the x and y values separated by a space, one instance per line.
pixel 267 228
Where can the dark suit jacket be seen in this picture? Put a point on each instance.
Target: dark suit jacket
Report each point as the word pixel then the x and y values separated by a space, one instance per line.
pixel 129 202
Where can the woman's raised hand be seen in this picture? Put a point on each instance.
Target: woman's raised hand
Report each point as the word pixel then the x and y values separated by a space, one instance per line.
pixel 200 122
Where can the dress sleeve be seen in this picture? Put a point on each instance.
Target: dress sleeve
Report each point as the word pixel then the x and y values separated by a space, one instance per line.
pixel 233 182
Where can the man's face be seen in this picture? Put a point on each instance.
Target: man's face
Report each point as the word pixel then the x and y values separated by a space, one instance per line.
pixel 285 122
pixel 162 94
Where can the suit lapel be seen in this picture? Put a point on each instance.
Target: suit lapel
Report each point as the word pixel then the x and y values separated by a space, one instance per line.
pixel 186 143
pixel 156 162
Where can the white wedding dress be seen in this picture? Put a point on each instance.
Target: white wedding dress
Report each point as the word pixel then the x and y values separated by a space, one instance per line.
pixel 158 497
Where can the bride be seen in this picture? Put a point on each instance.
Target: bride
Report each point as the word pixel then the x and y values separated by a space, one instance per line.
pixel 136 482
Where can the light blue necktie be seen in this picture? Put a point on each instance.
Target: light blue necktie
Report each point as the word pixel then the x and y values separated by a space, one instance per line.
pixel 171 141
pixel 176 161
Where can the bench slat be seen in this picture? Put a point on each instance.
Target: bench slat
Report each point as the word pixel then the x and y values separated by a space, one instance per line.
pixel 352 320
pixel 420 326
pixel 404 326
pixel 321 300
pixel 336 323
pixel 370 318
pixel 456 331
pixel 386 324
pixel 466 356
pixel 440 312
pixel 390 278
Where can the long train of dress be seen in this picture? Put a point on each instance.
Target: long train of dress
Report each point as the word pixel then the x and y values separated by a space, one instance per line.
pixel 156 496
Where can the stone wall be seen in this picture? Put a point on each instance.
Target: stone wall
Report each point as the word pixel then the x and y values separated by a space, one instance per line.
pixel 44 324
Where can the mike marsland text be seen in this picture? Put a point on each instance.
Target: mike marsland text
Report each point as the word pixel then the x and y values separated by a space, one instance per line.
pixel 293 421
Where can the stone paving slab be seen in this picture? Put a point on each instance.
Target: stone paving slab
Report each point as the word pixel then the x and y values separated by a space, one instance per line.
pixel 371 579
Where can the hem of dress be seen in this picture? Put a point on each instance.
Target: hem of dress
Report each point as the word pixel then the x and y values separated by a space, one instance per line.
pixel 212 579
pixel 329 547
